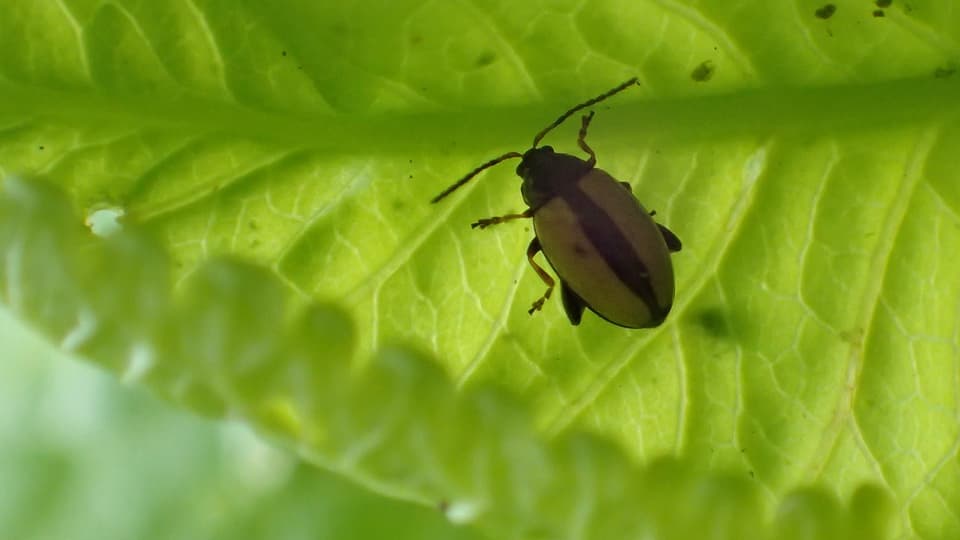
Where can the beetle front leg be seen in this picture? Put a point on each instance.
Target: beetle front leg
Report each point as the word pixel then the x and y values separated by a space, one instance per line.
pixel 582 139
pixel 532 250
pixel 486 222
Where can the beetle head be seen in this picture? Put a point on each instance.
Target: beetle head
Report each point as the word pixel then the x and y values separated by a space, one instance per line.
pixel 534 161
pixel 546 173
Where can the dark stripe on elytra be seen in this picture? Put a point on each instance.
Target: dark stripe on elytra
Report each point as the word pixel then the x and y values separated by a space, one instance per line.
pixel 614 247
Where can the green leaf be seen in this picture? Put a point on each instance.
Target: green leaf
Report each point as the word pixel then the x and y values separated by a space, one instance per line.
pixel 814 335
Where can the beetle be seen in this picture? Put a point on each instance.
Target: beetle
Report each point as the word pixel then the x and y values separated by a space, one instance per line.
pixel 606 249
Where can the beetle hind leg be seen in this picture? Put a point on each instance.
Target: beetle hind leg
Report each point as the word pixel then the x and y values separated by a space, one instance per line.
pixel 532 250
pixel 672 240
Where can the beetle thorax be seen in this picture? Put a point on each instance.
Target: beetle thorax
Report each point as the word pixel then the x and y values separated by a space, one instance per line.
pixel 546 174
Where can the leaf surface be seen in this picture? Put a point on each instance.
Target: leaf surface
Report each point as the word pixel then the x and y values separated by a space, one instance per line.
pixel 814 337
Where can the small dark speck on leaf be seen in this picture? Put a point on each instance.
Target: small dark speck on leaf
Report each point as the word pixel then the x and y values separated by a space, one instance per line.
pixel 703 72
pixel 253 225
pixel 42 147
pixel 284 53
pixel 410 177
pixel 944 72
pixel 714 321
pixel 879 13
pixel 826 11
pixel 485 59
pixel 883 3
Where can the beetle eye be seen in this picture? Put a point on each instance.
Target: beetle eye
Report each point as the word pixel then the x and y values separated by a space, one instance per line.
pixel 547 149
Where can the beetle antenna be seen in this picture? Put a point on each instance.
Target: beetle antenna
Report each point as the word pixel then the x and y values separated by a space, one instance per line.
pixel 475 172
pixel 584 105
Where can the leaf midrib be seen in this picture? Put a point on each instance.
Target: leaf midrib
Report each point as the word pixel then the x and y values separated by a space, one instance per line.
pixel 479 129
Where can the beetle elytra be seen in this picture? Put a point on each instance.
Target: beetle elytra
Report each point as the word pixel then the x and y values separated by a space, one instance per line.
pixel 607 250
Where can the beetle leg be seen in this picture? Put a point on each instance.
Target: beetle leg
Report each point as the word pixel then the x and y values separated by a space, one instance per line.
pixel 581 140
pixel 673 242
pixel 486 222
pixel 573 305
pixel 532 250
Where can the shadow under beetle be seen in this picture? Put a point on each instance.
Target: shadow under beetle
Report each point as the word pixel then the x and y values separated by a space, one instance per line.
pixel 609 253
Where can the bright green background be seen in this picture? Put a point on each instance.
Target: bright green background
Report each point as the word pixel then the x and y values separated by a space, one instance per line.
pixel 814 340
